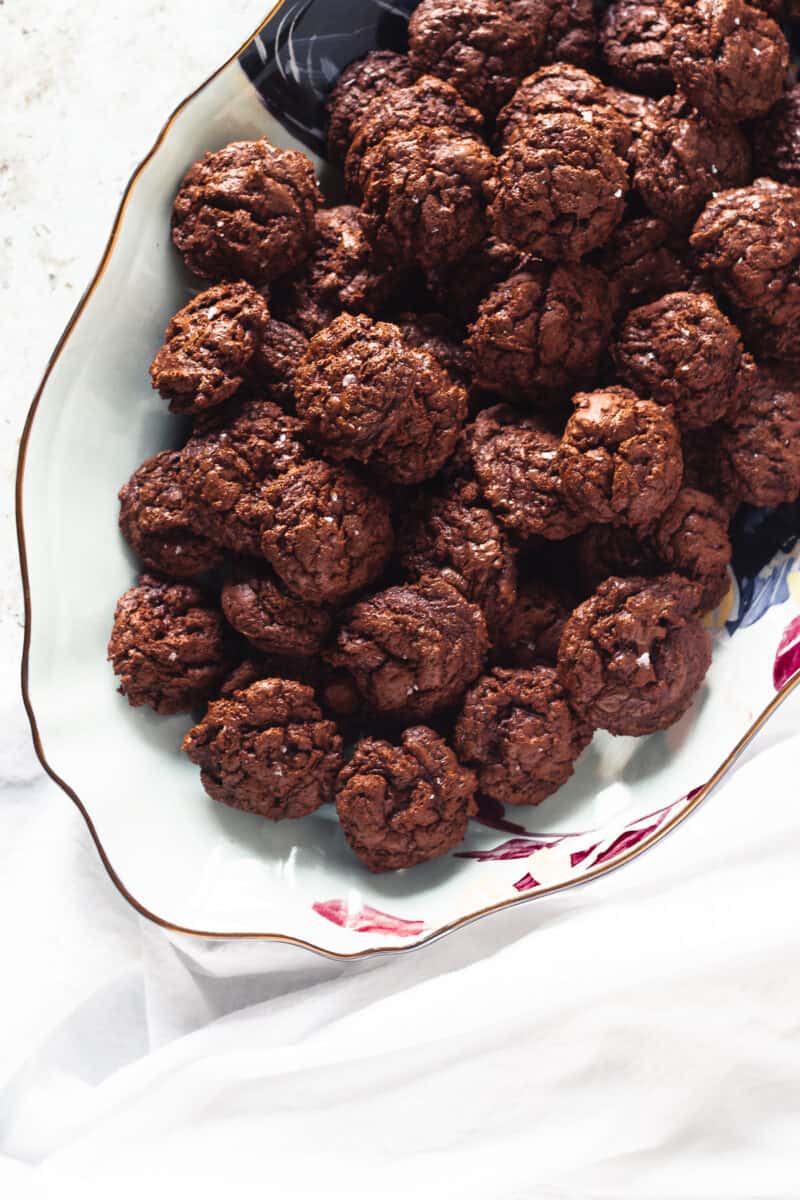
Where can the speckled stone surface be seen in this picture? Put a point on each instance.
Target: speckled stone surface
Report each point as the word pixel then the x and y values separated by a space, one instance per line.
pixel 84 90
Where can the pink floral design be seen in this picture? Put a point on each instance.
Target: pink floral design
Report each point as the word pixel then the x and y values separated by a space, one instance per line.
pixel 366 919
pixel 526 884
pixel 578 856
pixel 515 848
pixel 787 660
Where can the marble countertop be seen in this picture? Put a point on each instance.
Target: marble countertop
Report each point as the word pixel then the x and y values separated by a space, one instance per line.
pixel 85 89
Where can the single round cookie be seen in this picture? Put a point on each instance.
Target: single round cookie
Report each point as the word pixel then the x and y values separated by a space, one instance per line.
pixel 776 139
pixel 633 38
pixel 748 240
pixel 462 540
pixel 682 351
pixel 519 732
pixel 562 88
pixel 560 190
pixel 642 260
pixel 633 656
pixel 763 441
pixel 692 539
pixel 532 632
pixel 606 550
pixel 425 196
pixel 246 211
pixel 209 347
pixel 340 275
pixel 357 86
pixel 683 159
pixel 167 646
pixel 279 351
pixel 516 463
pixel 364 393
pixel 325 533
pixel 428 102
pixel 158 519
pixel 569 36
pixel 476 45
pixel 404 805
pixel 226 463
pixel 620 458
pixel 413 649
pixel 546 327
pixel 267 750
pixel 728 58
pixel 257 605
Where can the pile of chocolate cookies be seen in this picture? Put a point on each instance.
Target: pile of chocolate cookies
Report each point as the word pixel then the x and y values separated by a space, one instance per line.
pixel 467 448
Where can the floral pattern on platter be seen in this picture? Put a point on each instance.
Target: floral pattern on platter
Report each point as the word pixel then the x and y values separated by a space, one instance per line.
pixel 367 919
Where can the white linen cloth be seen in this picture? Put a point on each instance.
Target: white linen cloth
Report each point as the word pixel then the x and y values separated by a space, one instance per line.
pixel 636 1037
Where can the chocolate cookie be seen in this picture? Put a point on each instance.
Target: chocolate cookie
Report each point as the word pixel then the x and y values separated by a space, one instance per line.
pixel 359 84
pixel 257 605
pixel 226 464
pixel 682 351
pixel 158 520
pixel 246 211
pixel 545 327
pixel 776 139
pixel 167 646
pixel 569 34
pixel 642 260
pixel 683 159
pixel 279 351
pixel 560 190
pixel 425 196
pixel 404 805
pixel 325 533
pixel 516 463
pixel 519 732
pixel 267 750
pixel 462 540
pixel 209 347
pixel 728 58
pixel 620 458
pixel 633 656
pixel 748 239
pixel 339 275
pixel 763 441
pixel 532 632
pixel 429 102
pixel 692 540
pixel 363 393
pixel 633 38
pixel 476 45
pixel 562 88
pixel 413 649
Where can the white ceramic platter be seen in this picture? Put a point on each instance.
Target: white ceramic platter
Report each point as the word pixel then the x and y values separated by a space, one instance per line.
pixel 179 857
